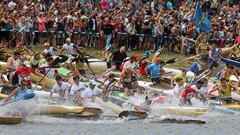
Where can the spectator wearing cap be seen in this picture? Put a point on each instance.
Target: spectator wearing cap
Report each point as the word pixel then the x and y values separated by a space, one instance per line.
pixel 107 32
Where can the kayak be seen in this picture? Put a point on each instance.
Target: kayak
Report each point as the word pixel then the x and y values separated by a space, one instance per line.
pixel 41 94
pixel 225 52
pixel 180 111
pixel 235 107
pixel 47 82
pixel 230 62
pixel 93 62
pixel 2 96
pixel 63 71
pixel 166 91
pixel 64 110
pixel 170 72
pixel 10 119
pixel 109 105
pixel 229 109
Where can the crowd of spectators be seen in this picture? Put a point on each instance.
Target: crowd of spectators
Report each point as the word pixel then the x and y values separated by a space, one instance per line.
pixel 138 24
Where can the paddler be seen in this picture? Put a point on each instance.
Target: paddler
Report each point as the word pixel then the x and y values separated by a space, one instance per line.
pixel 201 44
pixel 206 86
pixel 76 89
pixel 68 47
pixel 157 54
pixel 212 60
pixel 199 66
pixel 109 83
pixel 228 72
pixel 187 94
pixel 131 63
pixel 60 87
pixel 48 68
pixel 116 60
pixel 224 88
pixel 183 76
pixel 154 70
pixel 143 63
pixel 49 49
pixel 144 106
pixel 108 51
pixel 34 61
pixel 21 92
pixel 127 81
pixel 4 81
pixel 80 60
pixel 89 94
pixel 180 85
pixel 24 52
pixel 13 63
pixel 24 72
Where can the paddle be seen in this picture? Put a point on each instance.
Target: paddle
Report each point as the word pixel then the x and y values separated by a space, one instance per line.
pixel 181 121
pixel 223 98
pixel 207 71
pixel 133 115
pixel 54 63
pixel 165 73
pixel 23 97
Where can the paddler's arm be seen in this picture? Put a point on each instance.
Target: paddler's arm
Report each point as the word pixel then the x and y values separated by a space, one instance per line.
pixel 27 50
pixel 173 80
pixel 210 54
pixel 86 61
pixel 236 74
pixel 13 93
pixel 62 49
pixel 137 108
pixel 9 63
pixel 5 82
pixel 214 88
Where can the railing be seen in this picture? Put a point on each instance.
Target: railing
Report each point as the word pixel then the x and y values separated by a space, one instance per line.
pixel 88 38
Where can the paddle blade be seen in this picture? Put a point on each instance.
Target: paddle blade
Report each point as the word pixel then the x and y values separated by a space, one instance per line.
pixel 133 115
pixel 28 96
pixel 173 60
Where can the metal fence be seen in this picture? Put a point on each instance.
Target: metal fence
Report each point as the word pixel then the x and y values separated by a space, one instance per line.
pixel 93 39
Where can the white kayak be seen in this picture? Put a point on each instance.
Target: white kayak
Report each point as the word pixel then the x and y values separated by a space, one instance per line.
pixel 149 86
pixel 180 111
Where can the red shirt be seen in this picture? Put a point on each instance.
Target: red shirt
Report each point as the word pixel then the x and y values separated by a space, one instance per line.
pixel 237 40
pixel 142 68
pixel 24 73
pixel 185 92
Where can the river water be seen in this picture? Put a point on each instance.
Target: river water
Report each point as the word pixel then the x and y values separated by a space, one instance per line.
pixel 216 124
pixel 107 124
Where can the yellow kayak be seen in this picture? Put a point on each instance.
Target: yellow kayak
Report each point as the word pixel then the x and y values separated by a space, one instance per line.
pixel 10 119
pixel 232 106
pixel 181 111
pixel 62 110
pixel 2 96
pixel 47 82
